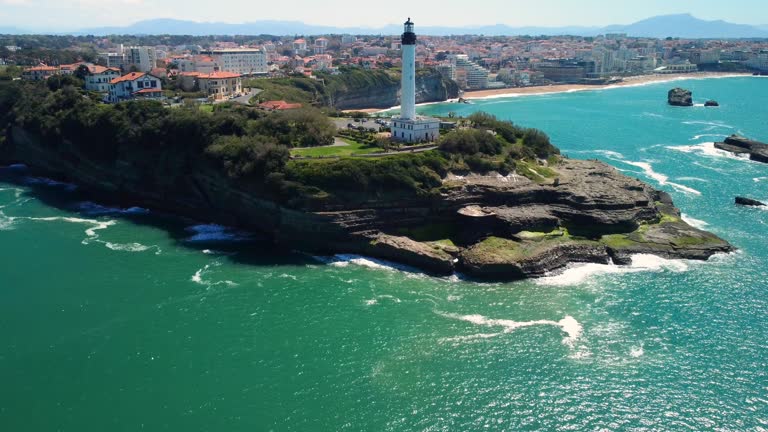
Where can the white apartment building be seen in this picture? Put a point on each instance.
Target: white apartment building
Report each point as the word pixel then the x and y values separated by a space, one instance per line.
pixel 143 58
pixel 760 62
pixel 469 74
pixel 243 61
pixel 321 44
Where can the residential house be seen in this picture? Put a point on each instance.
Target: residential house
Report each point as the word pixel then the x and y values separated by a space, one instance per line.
pixel 220 85
pixel 70 69
pixel 39 73
pixel 135 85
pixel 99 78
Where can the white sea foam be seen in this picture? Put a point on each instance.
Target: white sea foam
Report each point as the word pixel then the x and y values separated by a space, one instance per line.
pixel 698 137
pixel 568 324
pixel 198 277
pixel 579 273
pixel 693 179
pixel 637 351
pixel 6 222
pixel 696 223
pixel 759 179
pixel 91 232
pixel 607 153
pixel 17 192
pixel 661 178
pixel 375 300
pixel 712 125
pixel 344 260
pixel 707 149
pixel 131 247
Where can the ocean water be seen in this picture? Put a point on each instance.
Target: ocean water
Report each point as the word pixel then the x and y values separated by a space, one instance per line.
pixel 123 319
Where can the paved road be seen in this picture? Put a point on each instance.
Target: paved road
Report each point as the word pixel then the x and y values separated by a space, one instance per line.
pixel 246 99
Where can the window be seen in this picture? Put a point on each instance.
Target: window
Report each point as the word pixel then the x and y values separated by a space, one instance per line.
pixel 154 84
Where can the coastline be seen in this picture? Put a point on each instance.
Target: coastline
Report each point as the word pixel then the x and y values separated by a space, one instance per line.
pixel 566 88
pixel 569 88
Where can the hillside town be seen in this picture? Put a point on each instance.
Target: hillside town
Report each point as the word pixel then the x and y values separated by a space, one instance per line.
pixel 216 69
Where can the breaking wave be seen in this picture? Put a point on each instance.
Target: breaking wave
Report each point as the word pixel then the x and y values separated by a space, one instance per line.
pixel 661 178
pixel 580 273
pixel 568 324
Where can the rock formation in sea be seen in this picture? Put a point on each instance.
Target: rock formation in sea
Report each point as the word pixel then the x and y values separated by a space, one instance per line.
pixel 711 103
pixel 680 97
pixel 748 202
pixel 736 144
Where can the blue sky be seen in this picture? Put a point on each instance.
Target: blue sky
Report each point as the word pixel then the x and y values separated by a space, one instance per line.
pixel 75 14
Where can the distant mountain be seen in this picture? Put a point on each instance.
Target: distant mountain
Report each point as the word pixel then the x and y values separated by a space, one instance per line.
pixel 687 26
pixel 683 26
pixel 178 27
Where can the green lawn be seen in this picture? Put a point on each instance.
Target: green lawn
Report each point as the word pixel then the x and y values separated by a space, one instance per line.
pixel 353 148
pixel 206 108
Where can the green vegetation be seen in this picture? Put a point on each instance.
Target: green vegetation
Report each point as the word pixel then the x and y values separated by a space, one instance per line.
pixel 295 90
pixel 435 232
pixel 352 148
pixel 252 147
pixel 496 145
pixel 506 250
pixel 322 91
pixel 245 143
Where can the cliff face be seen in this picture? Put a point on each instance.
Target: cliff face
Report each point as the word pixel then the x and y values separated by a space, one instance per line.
pixel 487 226
pixel 429 88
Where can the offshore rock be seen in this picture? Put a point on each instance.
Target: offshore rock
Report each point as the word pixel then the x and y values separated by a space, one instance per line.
pixel 748 202
pixel 711 103
pixel 680 97
pixel 736 144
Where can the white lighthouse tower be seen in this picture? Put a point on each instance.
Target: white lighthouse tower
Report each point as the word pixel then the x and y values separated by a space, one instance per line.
pixel 408 126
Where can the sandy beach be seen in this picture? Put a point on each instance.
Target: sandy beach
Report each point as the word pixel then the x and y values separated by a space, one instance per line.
pixel 628 81
pixel 562 88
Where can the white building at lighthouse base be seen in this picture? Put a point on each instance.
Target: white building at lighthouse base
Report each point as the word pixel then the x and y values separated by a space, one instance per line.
pixel 419 129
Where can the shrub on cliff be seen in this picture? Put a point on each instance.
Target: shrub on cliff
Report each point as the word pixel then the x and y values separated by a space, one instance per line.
pixel 295 128
pixel 248 156
pixel 470 142
pixel 505 129
pixel 365 178
pixel 539 142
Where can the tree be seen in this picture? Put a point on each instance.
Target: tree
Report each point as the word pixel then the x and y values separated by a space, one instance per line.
pixel 82 71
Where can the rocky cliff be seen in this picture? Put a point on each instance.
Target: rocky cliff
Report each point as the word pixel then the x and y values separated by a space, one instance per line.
pixel 431 87
pixel 487 226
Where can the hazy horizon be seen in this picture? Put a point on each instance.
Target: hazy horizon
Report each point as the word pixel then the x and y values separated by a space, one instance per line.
pixel 70 15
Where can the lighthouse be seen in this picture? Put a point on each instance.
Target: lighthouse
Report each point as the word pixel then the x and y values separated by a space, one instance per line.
pixel 409 127
pixel 408 83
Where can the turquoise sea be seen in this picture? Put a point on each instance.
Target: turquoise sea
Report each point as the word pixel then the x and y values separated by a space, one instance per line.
pixel 126 320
